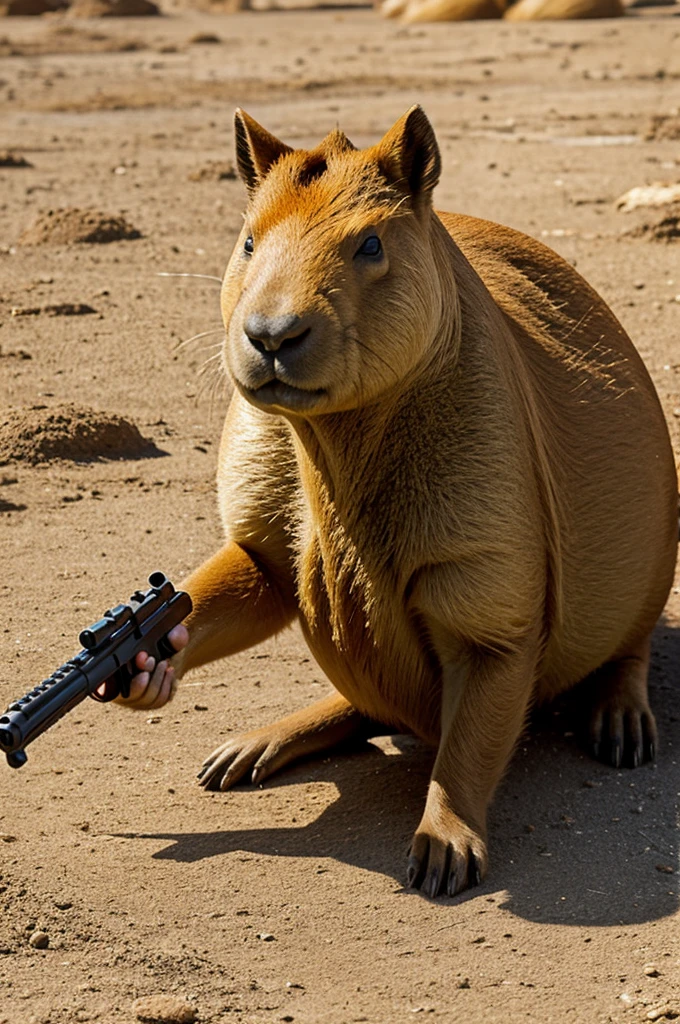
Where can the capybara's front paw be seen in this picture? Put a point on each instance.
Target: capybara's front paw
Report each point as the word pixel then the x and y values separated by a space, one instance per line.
pixel 446 855
pixel 258 752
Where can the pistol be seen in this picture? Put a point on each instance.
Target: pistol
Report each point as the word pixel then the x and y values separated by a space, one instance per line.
pixel 109 649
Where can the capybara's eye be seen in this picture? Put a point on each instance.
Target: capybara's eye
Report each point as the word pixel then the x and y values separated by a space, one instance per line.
pixel 371 246
pixel 249 245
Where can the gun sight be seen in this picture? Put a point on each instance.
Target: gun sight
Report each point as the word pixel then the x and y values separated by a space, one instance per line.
pixel 106 627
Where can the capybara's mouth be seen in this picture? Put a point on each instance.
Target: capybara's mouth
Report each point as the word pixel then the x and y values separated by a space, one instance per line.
pixel 277 392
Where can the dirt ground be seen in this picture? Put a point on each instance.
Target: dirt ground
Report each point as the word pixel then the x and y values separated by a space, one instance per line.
pixel 286 903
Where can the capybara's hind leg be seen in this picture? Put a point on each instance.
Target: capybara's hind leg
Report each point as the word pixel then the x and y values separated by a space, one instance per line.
pixel 264 751
pixel 622 730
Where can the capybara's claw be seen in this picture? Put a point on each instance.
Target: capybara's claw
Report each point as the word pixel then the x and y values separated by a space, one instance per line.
pixel 228 765
pixel 623 740
pixel 258 753
pixel 444 867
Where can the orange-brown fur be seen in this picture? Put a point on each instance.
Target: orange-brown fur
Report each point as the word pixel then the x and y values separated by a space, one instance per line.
pixel 563 10
pixel 442 10
pixel 453 469
pixel 522 10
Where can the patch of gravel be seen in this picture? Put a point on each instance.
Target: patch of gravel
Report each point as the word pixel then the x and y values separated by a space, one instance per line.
pixel 663 128
pixel 214 170
pixel 40 434
pixel 71 225
pixel 665 229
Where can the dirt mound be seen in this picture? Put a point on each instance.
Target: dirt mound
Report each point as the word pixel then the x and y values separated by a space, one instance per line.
pixel 214 170
pixel 29 8
pixel 40 434
pixel 113 9
pixel 663 128
pixel 9 159
pixel 665 230
pixel 70 225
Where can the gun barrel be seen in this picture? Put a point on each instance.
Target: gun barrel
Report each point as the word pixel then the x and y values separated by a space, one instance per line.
pixel 31 715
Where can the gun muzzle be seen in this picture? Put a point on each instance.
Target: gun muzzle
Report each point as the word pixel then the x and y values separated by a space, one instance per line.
pixel 10 737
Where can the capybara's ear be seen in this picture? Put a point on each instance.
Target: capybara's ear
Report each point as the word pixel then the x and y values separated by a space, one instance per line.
pixel 256 149
pixel 409 155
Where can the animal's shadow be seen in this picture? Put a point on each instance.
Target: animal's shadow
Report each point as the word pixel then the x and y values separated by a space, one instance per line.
pixel 571 841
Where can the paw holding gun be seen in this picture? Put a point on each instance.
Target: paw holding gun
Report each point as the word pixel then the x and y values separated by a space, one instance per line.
pixel 154 684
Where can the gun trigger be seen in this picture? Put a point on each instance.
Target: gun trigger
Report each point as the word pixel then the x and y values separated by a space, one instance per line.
pixel 110 691
pixel 165 648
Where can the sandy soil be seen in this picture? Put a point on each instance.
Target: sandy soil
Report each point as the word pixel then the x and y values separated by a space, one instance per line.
pixel 285 903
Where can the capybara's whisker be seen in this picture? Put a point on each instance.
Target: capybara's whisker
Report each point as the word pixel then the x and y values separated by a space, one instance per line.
pixel 197 337
pixel 204 277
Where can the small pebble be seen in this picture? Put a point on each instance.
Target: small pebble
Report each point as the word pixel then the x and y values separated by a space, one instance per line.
pixel 205 37
pixel 651 970
pixel 266 936
pixel 661 1011
pixel 665 869
pixel 164 1009
pixel 6 838
pixel 39 940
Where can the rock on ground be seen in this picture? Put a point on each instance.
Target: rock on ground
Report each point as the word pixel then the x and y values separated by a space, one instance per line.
pixel 164 1009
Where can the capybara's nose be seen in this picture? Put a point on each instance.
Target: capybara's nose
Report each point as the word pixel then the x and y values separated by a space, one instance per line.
pixel 271 333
